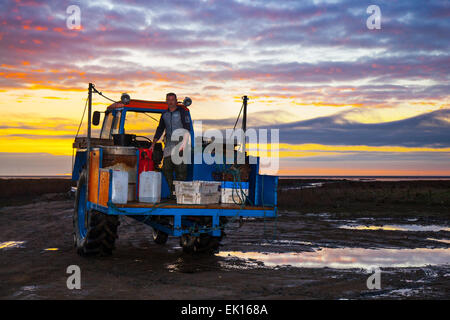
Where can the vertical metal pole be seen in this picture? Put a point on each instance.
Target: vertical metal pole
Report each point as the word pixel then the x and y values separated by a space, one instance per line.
pixel 244 123
pixel 88 156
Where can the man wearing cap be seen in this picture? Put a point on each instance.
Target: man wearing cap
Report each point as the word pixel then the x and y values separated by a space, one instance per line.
pixel 173 118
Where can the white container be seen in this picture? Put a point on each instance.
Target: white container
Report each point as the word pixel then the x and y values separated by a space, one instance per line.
pixel 197 186
pixel 119 188
pixel 229 195
pixel 150 186
pixel 198 198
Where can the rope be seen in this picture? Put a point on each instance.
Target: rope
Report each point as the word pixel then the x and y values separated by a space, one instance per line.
pixel 79 126
pixel 152 208
pixel 239 115
pixel 236 179
pixel 95 90
pixel 82 117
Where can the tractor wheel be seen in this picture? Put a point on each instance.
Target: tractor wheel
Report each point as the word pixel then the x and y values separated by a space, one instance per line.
pixel 187 242
pixel 94 233
pixel 199 244
pixel 159 237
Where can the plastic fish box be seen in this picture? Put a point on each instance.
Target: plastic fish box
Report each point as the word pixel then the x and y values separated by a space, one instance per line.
pixel 233 192
pixel 198 198
pixel 197 186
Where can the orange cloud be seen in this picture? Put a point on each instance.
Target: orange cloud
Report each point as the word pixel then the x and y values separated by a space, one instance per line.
pixel 39 28
pixel 57 88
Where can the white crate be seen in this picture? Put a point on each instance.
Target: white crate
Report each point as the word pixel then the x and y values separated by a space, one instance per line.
pixel 197 192
pixel 229 195
pixel 198 198
pixel 198 186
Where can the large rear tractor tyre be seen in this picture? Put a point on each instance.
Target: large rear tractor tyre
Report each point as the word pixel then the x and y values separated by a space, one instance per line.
pixel 94 233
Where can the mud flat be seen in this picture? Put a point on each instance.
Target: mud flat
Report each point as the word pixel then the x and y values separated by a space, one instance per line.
pixel 425 198
pixel 304 254
pixel 16 191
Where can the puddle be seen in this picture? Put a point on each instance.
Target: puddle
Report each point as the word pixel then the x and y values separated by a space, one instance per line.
pixel 398 227
pixel 187 265
pixel 404 293
pixel 304 186
pixel 29 288
pixel 321 215
pixel 12 244
pixel 348 258
pixel 26 292
pixel 287 243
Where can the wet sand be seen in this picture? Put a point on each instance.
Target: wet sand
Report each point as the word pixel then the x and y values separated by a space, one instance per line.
pixel 301 255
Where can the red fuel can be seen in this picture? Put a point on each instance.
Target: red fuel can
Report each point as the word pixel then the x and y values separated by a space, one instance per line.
pixel 145 160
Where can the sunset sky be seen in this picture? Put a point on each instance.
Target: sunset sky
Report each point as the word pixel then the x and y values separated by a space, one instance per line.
pixel 347 100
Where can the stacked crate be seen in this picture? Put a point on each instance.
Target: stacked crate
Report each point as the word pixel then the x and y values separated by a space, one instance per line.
pixel 233 192
pixel 197 192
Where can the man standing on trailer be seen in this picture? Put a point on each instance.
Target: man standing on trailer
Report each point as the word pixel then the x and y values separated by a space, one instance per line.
pixel 173 118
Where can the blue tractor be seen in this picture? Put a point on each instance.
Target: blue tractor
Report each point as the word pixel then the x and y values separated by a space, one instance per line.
pixel 127 128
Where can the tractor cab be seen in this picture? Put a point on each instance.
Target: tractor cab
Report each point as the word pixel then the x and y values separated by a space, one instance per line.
pixel 132 123
pixel 138 120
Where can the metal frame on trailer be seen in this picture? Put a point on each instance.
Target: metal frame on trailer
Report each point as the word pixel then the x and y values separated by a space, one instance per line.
pixel 142 212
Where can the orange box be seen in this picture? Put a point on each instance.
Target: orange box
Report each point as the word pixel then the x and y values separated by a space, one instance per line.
pixel 104 187
pixel 94 164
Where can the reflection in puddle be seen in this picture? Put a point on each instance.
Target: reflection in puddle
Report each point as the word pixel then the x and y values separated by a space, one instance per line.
pixel 304 186
pixel 11 244
pixel 51 249
pixel 190 264
pixel 281 243
pixel 29 288
pixel 26 292
pixel 398 227
pixel 343 258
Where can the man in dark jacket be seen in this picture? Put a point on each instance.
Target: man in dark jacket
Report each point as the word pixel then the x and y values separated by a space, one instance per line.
pixel 173 118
